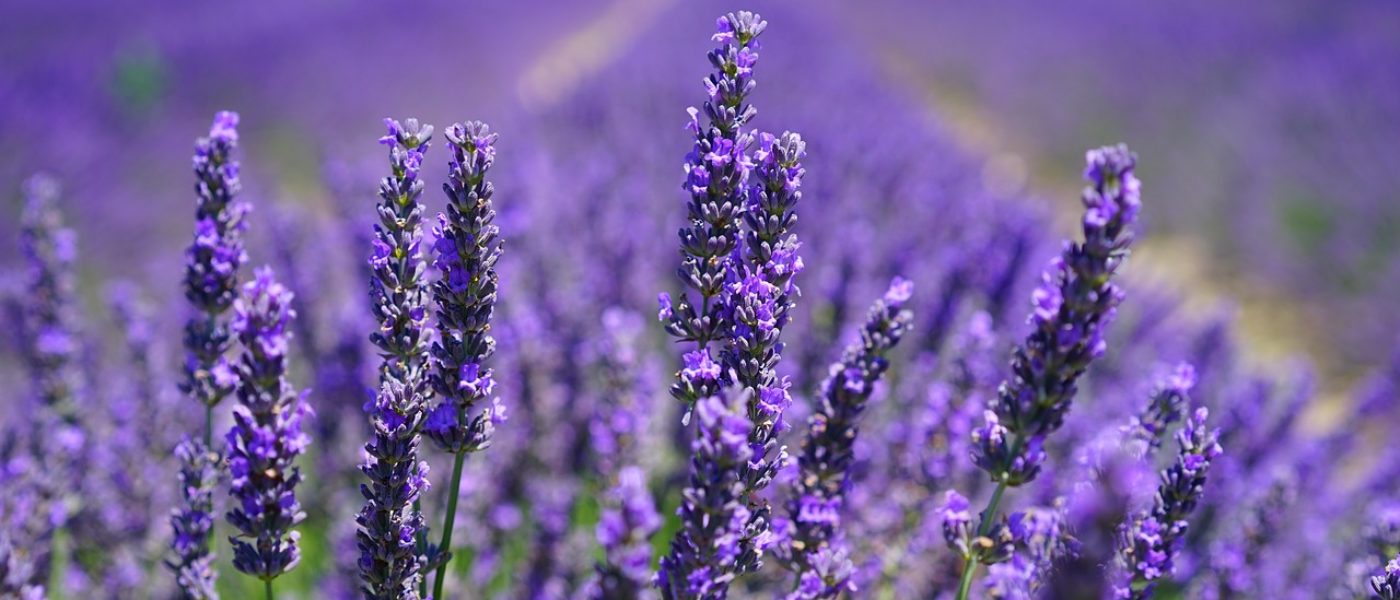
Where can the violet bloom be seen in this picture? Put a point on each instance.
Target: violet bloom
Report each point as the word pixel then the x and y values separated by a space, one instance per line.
pixel 16 572
pixel 628 521
pixel 1072 308
pixel 828 451
pixel 1170 395
pixel 52 345
pixel 1387 584
pixel 212 262
pixel 467 249
pixel 390 524
pixel 708 550
pixel 1149 543
pixel 629 518
pixel 193 520
pixel 717 170
pixel 267 435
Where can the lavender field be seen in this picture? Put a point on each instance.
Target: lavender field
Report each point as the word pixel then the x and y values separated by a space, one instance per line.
pixel 649 299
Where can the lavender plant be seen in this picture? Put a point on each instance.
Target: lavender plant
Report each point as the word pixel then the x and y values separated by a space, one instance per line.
pixel 815 547
pixel 708 552
pixel 717 170
pixel 267 435
pixel 1149 544
pixel 467 249
pixel 391 530
pixel 193 521
pixel 1072 309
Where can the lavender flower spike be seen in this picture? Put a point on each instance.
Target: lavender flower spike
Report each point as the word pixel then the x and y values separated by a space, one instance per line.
pixel 390 524
pixel 193 521
pixel 1148 545
pixel 467 249
pixel 828 452
pixel 717 170
pixel 707 553
pixel 267 435
pixel 1073 307
pixel 212 262
pixel 1387 584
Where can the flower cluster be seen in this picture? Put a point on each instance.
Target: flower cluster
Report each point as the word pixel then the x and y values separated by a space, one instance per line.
pixel 616 432
pixel 212 261
pixel 708 551
pixel 1073 307
pixel 717 172
pixel 1149 544
pixel 267 435
pixel 467 249
pixel 390 524
pixel 193 521
pixel 828 450
pixel 1169 398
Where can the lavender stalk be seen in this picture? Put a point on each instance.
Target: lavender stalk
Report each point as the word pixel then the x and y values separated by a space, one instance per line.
pixel 391 531
pixel 1149 544
pixel 467 249
pixel 1073 307
pixel 814 541
pixel 717 170
pixel 267 435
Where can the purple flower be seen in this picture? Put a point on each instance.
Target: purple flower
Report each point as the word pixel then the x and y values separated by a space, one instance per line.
pixel 267 434
pixel 1149 543
pixel 467 250
pixel 213 259
pixel 193 521
pixel 1072 307
pixel 390 565
pixel 828 451
pixel 707 552
pixel 1387 584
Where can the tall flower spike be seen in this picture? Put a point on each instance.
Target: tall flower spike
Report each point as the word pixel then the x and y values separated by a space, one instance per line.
pixel 716 177
pixel 1169 398
pixel 828 451
pixel 708 550
pixel 50 350
pixel 1072 309
pixel 267 435
pixel 193 521
pixel 629 518
pixel 212 262
pixel 466 251
pixel 1149 544
pixel 390 524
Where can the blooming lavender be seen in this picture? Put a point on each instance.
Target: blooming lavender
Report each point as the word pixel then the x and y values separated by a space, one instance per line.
pixel 717 170
pixel 211 264
pixel 16 572
pixel 1165 407
pixel 708 551
pixel 629 518
pixel 1072 309
pixel 193 521
pixel 1149 544
pixel 467 249
pixel 267 435
pixel 1387 584
pixel 391 523
pixel 824 466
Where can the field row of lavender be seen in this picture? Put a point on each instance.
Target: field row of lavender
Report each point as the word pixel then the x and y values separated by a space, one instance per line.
pixel 822 359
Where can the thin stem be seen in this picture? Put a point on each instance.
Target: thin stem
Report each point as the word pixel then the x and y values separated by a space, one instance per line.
pixel 453 493
pixel 988 515
pixel 267 587
pixel 208 426
pixel 422 548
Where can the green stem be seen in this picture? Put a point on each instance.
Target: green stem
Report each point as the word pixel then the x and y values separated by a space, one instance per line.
pixel 267 587
pixel 988 515
pixel 422 542
pixel 208 426
pixel 453 493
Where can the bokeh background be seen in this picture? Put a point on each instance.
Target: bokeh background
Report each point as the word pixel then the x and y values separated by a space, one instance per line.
pixel 946 144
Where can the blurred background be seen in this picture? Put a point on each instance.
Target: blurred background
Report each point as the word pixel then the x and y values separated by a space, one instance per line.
pixel 1268 134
